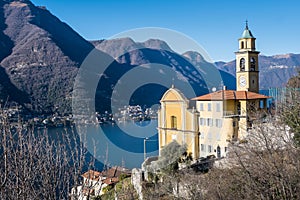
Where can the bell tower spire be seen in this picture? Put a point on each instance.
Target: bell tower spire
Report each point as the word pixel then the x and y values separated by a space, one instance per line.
pixel 247 71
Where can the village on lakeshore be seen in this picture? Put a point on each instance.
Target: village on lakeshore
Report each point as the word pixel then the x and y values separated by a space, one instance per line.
pixel 143 100
pixel 16 114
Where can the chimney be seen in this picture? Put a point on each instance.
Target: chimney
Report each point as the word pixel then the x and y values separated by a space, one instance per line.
pixel 224 87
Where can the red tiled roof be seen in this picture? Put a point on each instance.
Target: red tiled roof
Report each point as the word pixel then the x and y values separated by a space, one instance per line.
pixel 110 173
pixel 230 95
pixel 92 175
pixel 115 172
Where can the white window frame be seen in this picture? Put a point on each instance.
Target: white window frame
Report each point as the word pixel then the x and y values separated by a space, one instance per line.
pixel 219 123
pixel 218 107
pixel 201 107
pixel 209 107
pixel 210 122
pixel 202 121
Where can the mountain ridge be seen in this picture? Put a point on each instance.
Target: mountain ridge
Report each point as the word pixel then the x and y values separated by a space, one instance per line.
pixel 275 71
pixel 41 57
pixel 39 54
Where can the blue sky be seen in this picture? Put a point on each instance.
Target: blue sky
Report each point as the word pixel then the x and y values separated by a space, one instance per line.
pixel 214 24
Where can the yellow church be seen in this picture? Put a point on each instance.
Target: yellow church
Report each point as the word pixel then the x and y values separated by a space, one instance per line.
pixel 220 117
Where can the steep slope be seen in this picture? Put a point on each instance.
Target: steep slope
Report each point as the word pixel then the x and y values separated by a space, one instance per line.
pixel 6 43
pixel 45 56
pixel 197 60
pixel 130 54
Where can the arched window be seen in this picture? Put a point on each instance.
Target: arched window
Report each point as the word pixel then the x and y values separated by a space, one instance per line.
pixel 252 64
pixel 173 122
pixel 242 64
pixel 242 45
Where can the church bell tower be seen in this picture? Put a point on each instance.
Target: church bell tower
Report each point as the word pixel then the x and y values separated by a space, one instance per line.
pixel 247 71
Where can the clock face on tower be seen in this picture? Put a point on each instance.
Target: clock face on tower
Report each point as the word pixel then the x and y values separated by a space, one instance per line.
pixel 242 81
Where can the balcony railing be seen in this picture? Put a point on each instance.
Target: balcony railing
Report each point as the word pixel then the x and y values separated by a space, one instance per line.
pixel 231 114
pixel 177 130
pixel 228 113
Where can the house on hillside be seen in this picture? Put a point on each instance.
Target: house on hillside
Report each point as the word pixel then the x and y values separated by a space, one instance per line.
pixel 94 182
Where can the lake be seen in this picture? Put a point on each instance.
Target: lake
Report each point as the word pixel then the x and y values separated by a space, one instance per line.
pixel 120 144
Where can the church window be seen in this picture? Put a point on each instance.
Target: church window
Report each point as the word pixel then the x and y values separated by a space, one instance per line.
pixel 242 64
pixel 173 122
pixel 252 64
pixel 242 45
pixel 209 148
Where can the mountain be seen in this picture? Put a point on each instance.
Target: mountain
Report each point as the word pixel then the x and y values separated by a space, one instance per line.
pixel 159 59
pixel 115 47
pixel 197 60
pixel 40 57
pixel 275 71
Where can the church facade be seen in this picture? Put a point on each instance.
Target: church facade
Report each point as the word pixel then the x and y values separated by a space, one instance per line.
pixel 177 122
pixel 220 117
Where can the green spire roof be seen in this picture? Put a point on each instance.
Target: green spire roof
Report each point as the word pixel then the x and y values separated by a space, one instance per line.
pixel 247 33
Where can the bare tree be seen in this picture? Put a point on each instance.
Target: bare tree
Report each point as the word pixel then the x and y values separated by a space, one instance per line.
pixel 35 165
pixel 265 166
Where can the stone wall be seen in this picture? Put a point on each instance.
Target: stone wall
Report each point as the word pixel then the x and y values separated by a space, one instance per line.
pixel 136 181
